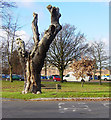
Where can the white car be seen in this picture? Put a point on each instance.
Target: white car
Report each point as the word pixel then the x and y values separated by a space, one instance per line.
pixel 70 77
pixel 106 77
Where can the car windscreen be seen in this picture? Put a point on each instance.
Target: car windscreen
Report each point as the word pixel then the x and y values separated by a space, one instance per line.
pixel 57 76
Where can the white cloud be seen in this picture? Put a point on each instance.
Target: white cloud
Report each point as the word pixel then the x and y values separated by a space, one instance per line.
pixel 106 41
pixel 106 44
pixel 20 34
pixel 23 35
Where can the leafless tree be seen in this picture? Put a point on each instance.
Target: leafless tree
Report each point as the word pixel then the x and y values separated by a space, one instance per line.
pixel 5 8
pixel 66 46
pixel 33 61
pixel 97 52
pixel 5 16
pixel 9 28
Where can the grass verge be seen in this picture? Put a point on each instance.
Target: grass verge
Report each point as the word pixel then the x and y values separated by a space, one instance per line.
pixel 68 90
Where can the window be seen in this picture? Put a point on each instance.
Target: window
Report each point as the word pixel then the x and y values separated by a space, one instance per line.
pixel 67 75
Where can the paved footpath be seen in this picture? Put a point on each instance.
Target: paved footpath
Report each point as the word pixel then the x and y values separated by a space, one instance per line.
pixel 55 109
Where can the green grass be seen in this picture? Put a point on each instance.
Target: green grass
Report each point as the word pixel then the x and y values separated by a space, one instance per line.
pixel 68 90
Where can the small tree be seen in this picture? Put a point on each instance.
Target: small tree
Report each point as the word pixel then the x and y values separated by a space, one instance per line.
pixel 83 68
pixel 9 28
pixel 97 52
pixel 5 15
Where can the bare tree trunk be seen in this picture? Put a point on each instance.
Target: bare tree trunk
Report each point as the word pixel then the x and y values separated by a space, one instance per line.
pixel 10 67
pixel 33 62
pixel 100 77
pixel 45 66
pixel 61 74
pixel 100 73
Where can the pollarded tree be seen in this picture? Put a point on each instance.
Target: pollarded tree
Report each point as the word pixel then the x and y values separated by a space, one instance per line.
pixel 67 45
pixel 33 61
pixel 83 68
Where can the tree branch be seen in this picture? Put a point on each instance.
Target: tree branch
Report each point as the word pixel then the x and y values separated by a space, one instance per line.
pixel 35 34
pixel 49 35
pixel 55 15
pixel 35 28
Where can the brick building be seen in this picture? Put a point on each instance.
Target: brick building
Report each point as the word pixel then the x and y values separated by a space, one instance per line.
pixel 51 70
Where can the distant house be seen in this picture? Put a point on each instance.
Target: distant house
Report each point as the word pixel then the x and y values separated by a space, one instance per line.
pixel 52 70
pixel 104 72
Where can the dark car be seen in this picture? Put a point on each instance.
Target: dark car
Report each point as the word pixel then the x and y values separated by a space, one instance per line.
pixel 50 77
pixel 4 76
pixel 15 77
pixel 44 77
pixel 56 78
pixel 95 77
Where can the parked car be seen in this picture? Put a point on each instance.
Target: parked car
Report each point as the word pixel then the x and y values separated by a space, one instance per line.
pixel 50 77
pixel 71 78
pixel 15 77
pixel 95 77
pixel 4 76
pixel 106 77
pixel 21 77
pixel 56 78
pixel 44 77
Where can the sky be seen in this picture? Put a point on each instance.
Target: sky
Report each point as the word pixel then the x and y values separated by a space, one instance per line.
pixel 90 18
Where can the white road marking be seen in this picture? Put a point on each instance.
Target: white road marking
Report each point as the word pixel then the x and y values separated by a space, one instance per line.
pixel 61 103
pixel 63 107
pixel 106 104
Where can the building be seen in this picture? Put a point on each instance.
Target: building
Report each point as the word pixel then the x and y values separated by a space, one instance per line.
pixel 52 70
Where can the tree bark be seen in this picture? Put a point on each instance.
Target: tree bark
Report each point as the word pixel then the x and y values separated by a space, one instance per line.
pixel 33 61
pixel 10 67
pixel 61 74
pixel 100 76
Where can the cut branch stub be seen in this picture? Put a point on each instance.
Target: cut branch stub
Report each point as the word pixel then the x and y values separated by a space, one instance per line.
pixel 35 34
pixel 35 28
pixel 55 15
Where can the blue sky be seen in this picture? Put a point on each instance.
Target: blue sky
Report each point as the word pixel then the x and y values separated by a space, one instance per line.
pixel 90 18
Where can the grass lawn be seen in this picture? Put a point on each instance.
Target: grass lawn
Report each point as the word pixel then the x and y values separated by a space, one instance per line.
pixel 68 90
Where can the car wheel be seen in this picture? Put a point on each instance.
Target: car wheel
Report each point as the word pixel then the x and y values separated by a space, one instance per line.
pixel 55 80
pixel 64 80
pixel 105 79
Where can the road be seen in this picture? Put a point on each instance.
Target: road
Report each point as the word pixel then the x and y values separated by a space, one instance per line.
pixel 55 109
